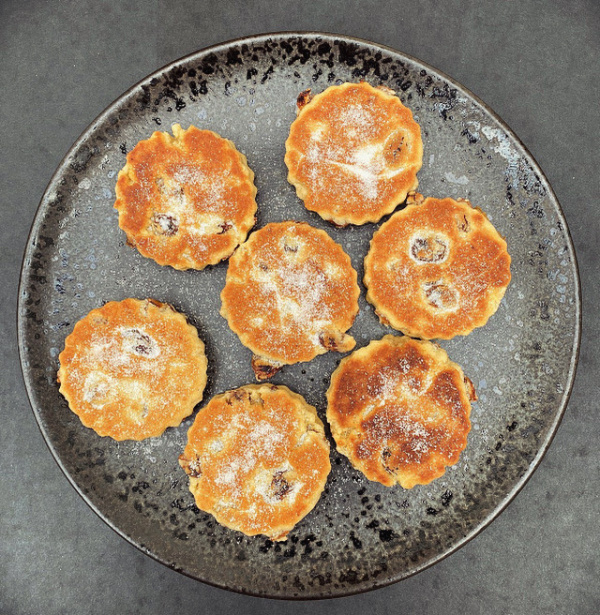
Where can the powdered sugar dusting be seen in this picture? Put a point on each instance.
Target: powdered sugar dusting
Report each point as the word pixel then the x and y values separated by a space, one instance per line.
pixel 389 427
pixel 124 374
pixel 300 295
pixel 267 435
pixel 352 153
pixel 254 480
pixel 299 283
pixel 357 156
pixel 437 269
pixel 367 178
pixel 356 120
pixel 188 175
pixel 97 388
pixel 176 196
pixel 404 409
pixel 112 353
pixel 138 342
pixel 198 198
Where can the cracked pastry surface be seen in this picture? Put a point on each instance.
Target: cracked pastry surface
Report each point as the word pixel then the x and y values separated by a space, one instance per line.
pixel 257 459
pixel 186 200
pixel 290 294
pixel 436 269
pixel 353 152
pixel 130 369
pixel 399 410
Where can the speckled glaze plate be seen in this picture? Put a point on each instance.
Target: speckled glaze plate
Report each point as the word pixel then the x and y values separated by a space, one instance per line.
pixel 361 535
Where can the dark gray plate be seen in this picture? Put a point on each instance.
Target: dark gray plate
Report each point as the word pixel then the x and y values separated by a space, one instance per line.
pixel 361 535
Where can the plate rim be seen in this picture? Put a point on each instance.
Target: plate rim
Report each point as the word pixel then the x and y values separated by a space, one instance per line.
pixel 545 444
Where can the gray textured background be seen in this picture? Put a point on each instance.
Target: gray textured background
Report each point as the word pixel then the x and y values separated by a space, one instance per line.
pixel 535 63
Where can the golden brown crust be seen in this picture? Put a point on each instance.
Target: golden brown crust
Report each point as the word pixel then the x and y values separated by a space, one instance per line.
pixel 186 201
pixel 436 269
pixel 130 369
pixel 258 459
pixel 353 152
pixel 291 294
pixel 399 410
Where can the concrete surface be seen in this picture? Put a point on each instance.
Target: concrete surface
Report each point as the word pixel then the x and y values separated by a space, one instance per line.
pixel 535 63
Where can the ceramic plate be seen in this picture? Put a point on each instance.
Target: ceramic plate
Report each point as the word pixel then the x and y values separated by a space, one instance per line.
pixel 361 535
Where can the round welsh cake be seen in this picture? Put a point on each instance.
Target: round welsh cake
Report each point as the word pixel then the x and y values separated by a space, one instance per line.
pixel 353 152
pixel 130 369
pixel 290 294
pixel 257 459
pixel 436 269
pixel 186 200
pixel 399 410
